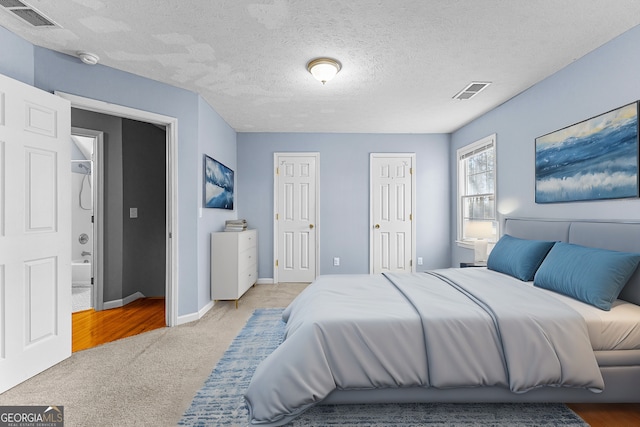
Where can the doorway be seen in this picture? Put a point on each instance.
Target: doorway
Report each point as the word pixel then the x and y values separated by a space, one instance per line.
pixel 296 204
pixel 87 213
pixel 392 202
pixel 168 239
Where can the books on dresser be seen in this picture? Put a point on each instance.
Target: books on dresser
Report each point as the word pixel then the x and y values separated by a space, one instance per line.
pixel 235 225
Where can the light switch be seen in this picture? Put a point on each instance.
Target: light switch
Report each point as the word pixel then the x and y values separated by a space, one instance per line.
pixel 133 212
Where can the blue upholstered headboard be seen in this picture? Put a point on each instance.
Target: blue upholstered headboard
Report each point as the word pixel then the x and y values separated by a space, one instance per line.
pixel 618 236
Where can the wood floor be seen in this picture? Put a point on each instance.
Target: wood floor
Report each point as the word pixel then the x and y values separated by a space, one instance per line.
pixel 91 328
pixel 608 414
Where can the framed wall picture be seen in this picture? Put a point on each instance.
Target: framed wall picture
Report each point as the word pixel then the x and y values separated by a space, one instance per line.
pixel 591 160
pixel 218 184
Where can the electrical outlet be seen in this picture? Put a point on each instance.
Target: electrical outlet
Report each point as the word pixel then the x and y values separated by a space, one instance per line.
pixel 133 212
pixel 419 260
pixel 336 261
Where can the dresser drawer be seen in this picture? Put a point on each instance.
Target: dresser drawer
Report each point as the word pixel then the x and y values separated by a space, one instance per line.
pixel 248 277
pixel 246 258
pixel 246 239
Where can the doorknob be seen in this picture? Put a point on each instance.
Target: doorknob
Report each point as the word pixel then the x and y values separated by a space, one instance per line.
pixel 310 225
pixel 377 226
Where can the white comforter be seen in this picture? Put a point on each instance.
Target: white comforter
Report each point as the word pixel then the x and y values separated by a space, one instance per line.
pixel 444 329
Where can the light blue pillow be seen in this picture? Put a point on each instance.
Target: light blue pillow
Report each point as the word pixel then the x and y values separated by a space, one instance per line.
pixel 519 258
pixel 594 276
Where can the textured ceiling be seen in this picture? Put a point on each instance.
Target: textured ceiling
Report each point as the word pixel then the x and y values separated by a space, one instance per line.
pixel 402 61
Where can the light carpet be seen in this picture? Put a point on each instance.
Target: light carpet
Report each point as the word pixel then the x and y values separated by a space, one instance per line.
pixel 220 402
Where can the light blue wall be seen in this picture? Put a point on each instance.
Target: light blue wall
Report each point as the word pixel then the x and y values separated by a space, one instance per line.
pixel 344 193
pixel 217 140
pixel 603 80
pixel 16 57
pixel 55 71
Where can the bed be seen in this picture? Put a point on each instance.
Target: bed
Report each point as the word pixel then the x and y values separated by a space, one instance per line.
pixel 469 335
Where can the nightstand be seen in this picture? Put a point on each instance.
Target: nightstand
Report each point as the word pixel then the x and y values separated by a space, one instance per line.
pixel 472 264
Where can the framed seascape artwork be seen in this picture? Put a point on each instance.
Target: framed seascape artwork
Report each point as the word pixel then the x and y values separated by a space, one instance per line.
pixel 591 160
pixel 218 184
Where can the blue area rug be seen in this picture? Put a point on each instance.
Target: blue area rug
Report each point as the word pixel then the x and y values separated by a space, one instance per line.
pixel 220 402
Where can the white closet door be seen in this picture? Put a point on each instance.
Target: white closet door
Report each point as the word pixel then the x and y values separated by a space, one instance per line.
pixel 391 212
pixel 296 217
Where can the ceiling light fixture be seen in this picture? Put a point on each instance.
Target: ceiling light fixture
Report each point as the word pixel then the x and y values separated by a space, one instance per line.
pixel 323 69
pixel 88 57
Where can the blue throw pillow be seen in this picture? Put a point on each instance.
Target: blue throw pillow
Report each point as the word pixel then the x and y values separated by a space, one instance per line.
pixel 594 276
pixel 519 258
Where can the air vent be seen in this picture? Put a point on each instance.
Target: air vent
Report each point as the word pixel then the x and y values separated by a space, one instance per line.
pixel 11 3
pixel 471 90
pixel 27 13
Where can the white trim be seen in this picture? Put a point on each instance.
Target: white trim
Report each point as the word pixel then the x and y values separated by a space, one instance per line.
pixel 192 317
pixel 276 156
pixel 171 124
pixel 122 302
pixel 414 262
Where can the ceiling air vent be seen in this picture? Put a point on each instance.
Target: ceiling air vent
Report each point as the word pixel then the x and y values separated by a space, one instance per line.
pixel 27 13
pixel 471 90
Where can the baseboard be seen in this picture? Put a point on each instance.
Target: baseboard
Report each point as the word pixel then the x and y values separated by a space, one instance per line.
pixel 122 302
pixel 192 317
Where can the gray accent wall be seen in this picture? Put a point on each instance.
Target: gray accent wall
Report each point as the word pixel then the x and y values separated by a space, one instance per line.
pixel 134 175
pixel 344 193
pixel 602 80
pixel 144 187
pixel 113 220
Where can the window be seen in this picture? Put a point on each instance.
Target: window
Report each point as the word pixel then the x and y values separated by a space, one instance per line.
pixel 477 191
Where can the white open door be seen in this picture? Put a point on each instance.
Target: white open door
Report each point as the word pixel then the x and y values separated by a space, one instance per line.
pixel 296 208
pixel 392 238
pixel 35 231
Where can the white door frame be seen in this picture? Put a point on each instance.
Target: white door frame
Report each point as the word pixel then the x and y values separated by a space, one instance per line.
pixel 98 212
pixel 171 124
pixel 276 157
pixel 413 206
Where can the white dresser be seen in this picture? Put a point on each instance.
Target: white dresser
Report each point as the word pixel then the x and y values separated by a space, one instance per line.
pixel 234 264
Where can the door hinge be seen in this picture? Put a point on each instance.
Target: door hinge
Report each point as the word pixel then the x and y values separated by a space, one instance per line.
pixel 410 171
pixel 277 217
pixel 91 219
pixel 410 263
pixel 92 280
pixel 410 217
pixel 277 171
pixel 276 263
